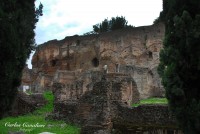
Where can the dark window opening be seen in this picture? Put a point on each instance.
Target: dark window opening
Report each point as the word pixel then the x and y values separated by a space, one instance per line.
pixel 53 62
pixel 95 62
pixel 150 55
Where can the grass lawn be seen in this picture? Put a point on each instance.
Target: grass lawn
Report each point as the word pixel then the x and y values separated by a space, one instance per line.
pixel 151 101
pixel 35 122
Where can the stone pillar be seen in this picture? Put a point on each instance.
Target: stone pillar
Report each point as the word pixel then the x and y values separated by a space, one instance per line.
pixel 99 121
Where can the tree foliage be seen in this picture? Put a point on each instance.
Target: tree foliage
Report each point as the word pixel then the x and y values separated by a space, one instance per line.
pixel 110 25
pixel 180 62
pixel 17 24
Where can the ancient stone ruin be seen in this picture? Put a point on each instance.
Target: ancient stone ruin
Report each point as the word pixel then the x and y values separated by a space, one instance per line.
pixel 104 110
pixel 80 60
pixel 95 79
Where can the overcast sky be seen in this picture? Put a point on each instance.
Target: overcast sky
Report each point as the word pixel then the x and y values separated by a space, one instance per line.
pixel 63 18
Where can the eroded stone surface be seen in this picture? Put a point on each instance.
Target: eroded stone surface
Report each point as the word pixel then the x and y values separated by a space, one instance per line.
pixel 95 78
pixel 106 109
pixel 130 51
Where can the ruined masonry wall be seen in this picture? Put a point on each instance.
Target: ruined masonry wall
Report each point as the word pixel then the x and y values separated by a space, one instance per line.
pixel 131 51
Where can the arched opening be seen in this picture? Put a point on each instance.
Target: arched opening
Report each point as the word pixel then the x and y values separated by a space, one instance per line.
pixel 53 62
pixel 95 62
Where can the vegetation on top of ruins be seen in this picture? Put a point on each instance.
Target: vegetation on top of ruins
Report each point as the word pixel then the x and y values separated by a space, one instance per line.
pixel 180 62
pixel 151 101
pixel 110 25
pixel 17 23
pixel 38 117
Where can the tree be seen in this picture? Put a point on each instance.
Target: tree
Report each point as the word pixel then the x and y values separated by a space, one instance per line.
pixel 102 27
pixel 17 24
pixel 180 62
pixel 110 25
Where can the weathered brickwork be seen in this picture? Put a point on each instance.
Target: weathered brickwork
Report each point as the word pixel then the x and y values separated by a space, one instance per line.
pixel 105 110
pixel 130 51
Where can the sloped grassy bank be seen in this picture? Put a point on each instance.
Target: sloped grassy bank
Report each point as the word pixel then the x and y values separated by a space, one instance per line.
pixel 34 123
pixel 152 101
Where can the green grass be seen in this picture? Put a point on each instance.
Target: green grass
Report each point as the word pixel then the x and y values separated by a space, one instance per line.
pixel 48 107
pixel 37 118
pixel 151 101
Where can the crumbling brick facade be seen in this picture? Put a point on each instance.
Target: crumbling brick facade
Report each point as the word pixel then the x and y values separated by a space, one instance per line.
pixel 129 51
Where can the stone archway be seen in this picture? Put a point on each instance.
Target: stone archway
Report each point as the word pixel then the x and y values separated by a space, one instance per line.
pixel 95 62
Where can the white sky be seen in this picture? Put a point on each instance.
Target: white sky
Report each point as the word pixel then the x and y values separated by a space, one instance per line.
pixel 63 18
